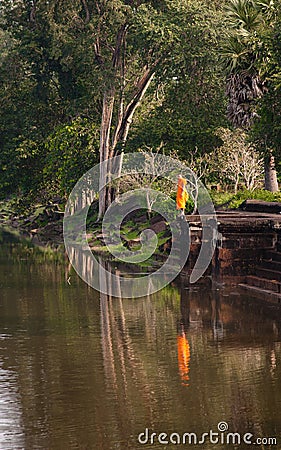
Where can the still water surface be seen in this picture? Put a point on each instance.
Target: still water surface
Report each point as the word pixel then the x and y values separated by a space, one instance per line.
pixel 79 370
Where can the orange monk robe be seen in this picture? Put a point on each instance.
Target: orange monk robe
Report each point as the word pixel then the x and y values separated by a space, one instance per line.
pixel 183 358
pixel 182 194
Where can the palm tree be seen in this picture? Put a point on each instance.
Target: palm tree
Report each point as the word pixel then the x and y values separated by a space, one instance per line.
pixel 245 61
pixel 244 83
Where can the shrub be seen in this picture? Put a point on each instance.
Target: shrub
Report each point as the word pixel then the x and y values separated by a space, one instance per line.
pixel 231 200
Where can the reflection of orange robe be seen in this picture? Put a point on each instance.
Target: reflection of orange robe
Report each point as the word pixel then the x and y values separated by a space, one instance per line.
pixel 182 194
pixel 183 358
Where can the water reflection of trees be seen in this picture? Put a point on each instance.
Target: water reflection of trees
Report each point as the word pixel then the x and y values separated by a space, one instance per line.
pixel 127 373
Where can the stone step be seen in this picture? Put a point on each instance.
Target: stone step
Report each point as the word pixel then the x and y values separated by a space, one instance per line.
pixel 268 274
pixel 263 283
pixel 271 265
pixel 253 205
pixel 273 255
pixel 273 296
pixel 249 240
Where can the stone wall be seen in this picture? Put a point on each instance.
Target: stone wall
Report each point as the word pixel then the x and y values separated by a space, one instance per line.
pixel 241 252
pixel 242 246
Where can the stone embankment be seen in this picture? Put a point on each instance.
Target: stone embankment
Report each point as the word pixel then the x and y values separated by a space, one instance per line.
pixel 249 248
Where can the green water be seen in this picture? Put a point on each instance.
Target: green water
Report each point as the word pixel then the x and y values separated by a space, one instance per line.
pixel 79 370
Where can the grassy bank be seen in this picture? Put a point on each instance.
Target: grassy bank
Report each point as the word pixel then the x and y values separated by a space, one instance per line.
pixel 229 200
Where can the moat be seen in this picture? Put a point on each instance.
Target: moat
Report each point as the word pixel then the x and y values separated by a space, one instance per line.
pixel 81 370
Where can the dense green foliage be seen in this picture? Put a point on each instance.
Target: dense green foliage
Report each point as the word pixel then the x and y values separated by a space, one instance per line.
pixel 70 151
pixel 57 61
pixel 180 117
pixel 44 86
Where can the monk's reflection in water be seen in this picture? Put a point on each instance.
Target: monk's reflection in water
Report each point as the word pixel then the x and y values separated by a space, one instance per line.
pixel 182 341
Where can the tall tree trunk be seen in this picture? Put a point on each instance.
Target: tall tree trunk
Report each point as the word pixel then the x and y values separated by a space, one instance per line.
pixel 107 151
pixel 270 179
pixel 107 111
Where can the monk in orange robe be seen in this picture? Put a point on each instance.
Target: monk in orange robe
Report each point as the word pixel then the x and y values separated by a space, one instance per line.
pixel 182 195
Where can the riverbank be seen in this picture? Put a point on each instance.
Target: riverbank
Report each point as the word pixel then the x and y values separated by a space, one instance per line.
pixel 248 250
pixel 43 225
pixel 41 220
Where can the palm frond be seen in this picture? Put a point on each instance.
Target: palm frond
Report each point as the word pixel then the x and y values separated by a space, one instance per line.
pixel 236 54
pixel 243 14
pixel 266 7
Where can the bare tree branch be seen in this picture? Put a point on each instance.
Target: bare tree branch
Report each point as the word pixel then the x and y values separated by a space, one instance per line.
pixel 87 19
pixel 121 132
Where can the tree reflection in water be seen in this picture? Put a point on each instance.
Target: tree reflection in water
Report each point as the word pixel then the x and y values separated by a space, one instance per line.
pixel 121 361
